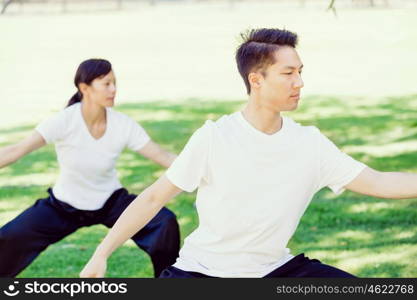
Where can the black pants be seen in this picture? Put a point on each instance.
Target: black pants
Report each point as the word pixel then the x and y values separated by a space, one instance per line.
pixel 299 266
pixel 50 220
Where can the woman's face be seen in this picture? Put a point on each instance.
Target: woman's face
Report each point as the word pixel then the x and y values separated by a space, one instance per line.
pixel 102 90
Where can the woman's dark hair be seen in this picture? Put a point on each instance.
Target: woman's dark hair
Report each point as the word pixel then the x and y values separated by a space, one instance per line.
pixel 257 49
pixel 87 71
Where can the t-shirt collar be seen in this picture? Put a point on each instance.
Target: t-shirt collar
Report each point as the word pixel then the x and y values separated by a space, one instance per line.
pixel 241 119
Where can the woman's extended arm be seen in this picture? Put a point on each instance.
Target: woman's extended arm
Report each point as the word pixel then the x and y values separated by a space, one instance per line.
pixel 155 153
pixel 12 153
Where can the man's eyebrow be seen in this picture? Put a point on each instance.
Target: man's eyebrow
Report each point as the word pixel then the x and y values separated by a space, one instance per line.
pixel 292 67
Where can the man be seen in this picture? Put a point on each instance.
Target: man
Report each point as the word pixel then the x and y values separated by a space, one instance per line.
pixel 256 172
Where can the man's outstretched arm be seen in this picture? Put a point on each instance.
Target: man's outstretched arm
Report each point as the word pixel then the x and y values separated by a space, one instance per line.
pixel 134 218
pixel 394 185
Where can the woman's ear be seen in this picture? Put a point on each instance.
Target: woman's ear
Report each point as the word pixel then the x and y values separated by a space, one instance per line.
pixel 83 87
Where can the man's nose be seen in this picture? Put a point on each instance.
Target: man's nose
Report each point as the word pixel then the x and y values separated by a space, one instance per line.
pixel 299 83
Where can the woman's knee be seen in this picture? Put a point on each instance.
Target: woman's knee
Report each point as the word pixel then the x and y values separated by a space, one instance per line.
pixel 9 235
pixel 168 218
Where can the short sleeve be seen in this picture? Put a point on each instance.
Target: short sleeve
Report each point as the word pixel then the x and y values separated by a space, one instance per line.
pixel 53 129
pixel 137 136
pixel 191 165
pixel 337 169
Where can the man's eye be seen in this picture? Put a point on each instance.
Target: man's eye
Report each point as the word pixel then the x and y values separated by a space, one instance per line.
pixel 287 73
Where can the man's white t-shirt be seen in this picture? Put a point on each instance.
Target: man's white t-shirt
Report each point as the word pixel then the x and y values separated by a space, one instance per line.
pixel 87 165
pixel 253 189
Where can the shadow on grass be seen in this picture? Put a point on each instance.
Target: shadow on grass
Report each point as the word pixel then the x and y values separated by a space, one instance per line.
pixel 390 269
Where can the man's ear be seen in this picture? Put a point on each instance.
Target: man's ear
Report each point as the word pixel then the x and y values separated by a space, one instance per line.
pixel 254 79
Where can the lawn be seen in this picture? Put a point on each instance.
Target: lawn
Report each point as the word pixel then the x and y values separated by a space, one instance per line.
pixel 366 236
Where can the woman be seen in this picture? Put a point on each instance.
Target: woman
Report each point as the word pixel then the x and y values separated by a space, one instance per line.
pixel 89 137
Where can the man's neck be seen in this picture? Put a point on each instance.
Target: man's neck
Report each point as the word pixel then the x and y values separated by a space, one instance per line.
pixel 262 118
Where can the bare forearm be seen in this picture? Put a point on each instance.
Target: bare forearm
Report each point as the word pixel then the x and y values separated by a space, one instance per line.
pixel 12 153
pixel 397 185
pixel 134 218
pixel 9 155
pixel 163 157
pixel 157 154
pixel 166 159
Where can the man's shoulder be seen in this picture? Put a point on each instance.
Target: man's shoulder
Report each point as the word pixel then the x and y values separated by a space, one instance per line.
pixel 301 129
pixel 211 127
pixel 220 123
pixel 226 122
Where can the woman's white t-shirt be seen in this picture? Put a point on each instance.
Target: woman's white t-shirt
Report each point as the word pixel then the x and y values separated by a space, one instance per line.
pixel 87 165
pixel 253 189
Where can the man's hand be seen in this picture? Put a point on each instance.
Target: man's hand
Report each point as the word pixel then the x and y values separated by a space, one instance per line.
pixel 133 219
pixel 95 268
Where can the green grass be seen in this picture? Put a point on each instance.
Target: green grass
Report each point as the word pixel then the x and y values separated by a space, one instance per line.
pixel 366 236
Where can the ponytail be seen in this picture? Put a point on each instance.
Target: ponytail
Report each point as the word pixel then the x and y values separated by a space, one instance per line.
pixel 87 71
pixel 77 97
